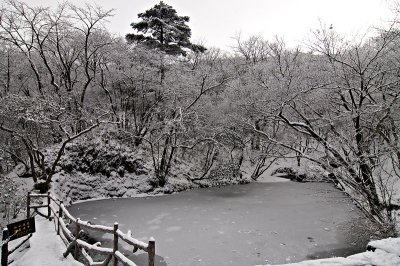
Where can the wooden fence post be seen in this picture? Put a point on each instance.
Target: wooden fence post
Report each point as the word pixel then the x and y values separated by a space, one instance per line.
pixel 151 250
pixel 48 206
pixel 4 248
pixel 78 229
pixel 28 205
pixel 115 245
pixel 60 215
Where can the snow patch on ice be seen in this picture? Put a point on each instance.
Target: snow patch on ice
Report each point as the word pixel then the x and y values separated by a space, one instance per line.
pixel 386 254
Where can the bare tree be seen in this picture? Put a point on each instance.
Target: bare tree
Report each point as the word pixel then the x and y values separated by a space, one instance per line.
pixel 176 122
pixel 37 123
pixel 59 45
pixel 128 79
pixel 341 97
pixel 254 49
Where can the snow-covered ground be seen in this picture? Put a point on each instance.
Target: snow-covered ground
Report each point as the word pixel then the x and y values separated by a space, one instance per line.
pixel 386 253
pixel 44 248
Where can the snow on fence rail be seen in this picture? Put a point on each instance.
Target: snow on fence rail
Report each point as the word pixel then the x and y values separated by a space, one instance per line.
pixel 4 247
pixel 76 245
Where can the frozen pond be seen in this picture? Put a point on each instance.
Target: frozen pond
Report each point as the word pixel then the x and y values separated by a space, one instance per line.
pixel 242 225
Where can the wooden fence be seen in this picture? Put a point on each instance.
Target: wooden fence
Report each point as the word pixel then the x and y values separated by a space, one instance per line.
pixel 57 212
pixel 5 252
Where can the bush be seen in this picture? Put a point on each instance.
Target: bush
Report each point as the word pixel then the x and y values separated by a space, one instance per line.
pixel 102 158
pixel 290 173
pixel 43 187
pixel 12 202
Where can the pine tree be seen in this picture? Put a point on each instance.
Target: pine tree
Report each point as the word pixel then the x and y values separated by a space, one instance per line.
pixel 161 28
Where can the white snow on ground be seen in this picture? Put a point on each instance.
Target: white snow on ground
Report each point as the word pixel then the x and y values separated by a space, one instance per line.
pixel 328 262
pixel 391 245
pixel 46 248
pixel 272 179
pixel 378 257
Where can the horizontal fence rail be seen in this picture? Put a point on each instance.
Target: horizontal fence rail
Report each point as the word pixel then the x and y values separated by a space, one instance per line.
pixel 57 212
pixel 5 252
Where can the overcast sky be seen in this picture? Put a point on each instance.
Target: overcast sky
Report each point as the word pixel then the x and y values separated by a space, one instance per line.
pixel 215 22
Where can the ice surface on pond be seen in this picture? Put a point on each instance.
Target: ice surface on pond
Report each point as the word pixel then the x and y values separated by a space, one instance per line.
pixel 258 223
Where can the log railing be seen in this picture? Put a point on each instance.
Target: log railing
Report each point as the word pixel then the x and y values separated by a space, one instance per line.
pixel 5 252
pixel 57 212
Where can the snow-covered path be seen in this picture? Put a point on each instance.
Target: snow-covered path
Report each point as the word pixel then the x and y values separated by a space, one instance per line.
pixel 258 223
pixel 46 248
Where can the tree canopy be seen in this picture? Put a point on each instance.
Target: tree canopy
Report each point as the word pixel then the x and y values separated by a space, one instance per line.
pixel 161 27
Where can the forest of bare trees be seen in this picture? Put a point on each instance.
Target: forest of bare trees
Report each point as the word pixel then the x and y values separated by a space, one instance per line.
pixel 334 103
